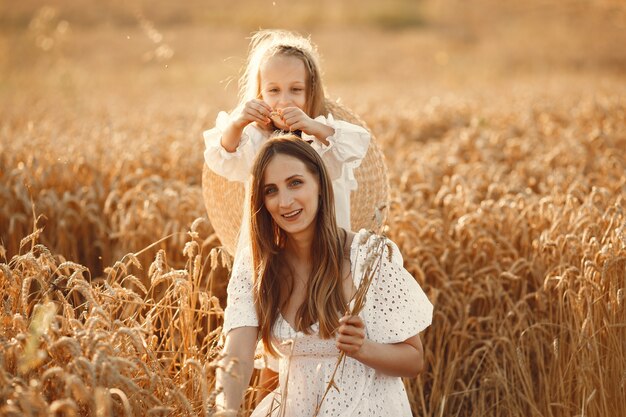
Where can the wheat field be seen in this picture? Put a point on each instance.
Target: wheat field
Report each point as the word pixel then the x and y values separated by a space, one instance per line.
pixel 504 132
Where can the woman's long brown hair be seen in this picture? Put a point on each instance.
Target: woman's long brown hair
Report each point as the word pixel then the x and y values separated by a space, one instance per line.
pixel 325 299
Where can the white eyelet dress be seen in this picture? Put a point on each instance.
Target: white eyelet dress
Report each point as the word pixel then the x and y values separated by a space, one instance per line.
pixel 396 308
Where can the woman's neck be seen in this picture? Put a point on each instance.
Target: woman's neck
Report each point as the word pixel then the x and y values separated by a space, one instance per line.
pixel 299 247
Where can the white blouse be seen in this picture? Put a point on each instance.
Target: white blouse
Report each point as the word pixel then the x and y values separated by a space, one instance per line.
pixel 344 152
pixel 396 308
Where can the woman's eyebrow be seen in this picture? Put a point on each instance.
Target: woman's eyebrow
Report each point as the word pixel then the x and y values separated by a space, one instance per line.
pixel 293 176
pixel 286 180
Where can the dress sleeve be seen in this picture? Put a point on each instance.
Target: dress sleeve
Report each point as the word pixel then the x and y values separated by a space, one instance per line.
pixel 234 166
pixel 396 307
pixel 240 311
pixel 346 147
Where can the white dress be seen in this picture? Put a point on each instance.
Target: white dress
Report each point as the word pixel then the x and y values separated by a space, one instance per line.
pixel 396 308
pixel 345 151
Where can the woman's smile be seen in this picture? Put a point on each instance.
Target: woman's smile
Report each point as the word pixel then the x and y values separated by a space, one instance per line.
pixel 292 215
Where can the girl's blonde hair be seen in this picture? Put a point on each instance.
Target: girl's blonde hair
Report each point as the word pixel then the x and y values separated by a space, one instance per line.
pixel 324 299
pixel 268 43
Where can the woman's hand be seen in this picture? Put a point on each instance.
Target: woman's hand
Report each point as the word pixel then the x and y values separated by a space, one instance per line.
pixel 351 335
pixel 404 359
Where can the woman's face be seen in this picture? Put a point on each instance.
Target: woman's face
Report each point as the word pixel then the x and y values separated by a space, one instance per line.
pixel 291 195
pixel 283 84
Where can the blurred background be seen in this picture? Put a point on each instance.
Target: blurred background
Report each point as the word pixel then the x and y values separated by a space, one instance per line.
pixel 139 51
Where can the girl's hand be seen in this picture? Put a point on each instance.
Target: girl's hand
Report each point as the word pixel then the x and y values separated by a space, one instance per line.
pixel 253 111
pixel 351 335
pixel 295 119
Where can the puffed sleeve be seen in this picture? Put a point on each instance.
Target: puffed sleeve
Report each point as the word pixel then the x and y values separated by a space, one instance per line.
pixel 234 166
pixel 396 307
pixel 346 147
pixel 240 311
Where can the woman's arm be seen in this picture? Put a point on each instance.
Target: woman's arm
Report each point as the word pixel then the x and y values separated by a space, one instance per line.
pixel 233 375
pixel 404 359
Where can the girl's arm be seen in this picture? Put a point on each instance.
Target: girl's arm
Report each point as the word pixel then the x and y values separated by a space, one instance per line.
pixel 404 359
pixel 347 146
pixel 235 165
pixel 253 111
pixel 233 375
pixel 232 136
pixel 321 132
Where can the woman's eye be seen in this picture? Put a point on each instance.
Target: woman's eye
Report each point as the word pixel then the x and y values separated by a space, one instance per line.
pixel 270 190
pixel 296 182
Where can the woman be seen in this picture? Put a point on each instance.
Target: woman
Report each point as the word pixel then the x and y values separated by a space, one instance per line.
pixel 307 270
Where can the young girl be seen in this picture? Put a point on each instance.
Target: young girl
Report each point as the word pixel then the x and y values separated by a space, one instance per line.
pixel 307 270
pixel 281 89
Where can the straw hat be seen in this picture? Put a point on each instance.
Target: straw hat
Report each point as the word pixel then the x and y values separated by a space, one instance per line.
pixel 224 199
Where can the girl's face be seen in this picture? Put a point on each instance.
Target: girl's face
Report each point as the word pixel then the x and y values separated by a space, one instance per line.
pixel 291 195
pixel 283 84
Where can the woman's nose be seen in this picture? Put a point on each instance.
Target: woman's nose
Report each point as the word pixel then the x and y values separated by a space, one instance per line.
pixel 285 199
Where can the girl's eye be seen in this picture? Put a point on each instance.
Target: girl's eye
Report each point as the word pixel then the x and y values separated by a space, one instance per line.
pixel 273 90
pixel 270 190
pixel 296 182
pixel 297 89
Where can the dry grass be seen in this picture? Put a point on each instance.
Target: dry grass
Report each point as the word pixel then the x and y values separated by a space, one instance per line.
pixel 508 205
pixel 110 346
pixel 516 224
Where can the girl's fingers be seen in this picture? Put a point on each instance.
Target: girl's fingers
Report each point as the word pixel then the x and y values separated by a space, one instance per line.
pixel 262 111
pixel 255 115
pixel 259 107
pixel 289 112
pixel 291 119
pixel 262 104
pixel 296 126
pixel 296 123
